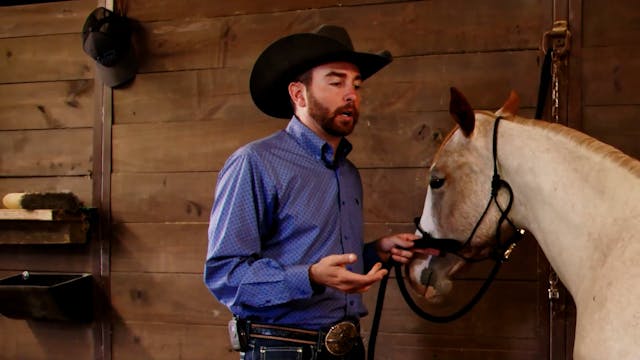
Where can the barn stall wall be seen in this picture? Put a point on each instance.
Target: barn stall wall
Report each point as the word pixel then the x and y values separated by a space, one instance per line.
pixel 150 160
pixel 46 144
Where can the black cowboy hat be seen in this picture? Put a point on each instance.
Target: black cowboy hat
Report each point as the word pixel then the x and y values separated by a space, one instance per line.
pixel 286 58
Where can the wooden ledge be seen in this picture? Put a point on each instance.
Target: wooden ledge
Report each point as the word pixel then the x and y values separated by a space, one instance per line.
pixel 40 214
pixel 47 226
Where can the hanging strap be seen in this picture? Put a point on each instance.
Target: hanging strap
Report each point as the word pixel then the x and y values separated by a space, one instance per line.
pixel 545 79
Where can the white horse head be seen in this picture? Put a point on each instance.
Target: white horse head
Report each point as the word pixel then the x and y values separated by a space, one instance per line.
pixel 459 191
pixel 579 197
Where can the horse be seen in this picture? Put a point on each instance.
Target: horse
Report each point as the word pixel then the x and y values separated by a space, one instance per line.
pixel 579 197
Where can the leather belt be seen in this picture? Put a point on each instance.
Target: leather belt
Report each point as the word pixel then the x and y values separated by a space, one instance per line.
pixel 338 340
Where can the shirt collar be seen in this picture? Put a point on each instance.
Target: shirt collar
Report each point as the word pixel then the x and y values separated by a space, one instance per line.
pixel 314 145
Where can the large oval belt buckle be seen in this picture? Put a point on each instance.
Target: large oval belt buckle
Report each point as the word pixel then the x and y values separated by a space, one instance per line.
pixel 341 338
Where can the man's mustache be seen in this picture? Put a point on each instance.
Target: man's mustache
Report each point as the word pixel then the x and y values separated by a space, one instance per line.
pixel 347 108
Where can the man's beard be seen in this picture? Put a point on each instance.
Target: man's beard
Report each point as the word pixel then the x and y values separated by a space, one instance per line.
pixel 327 118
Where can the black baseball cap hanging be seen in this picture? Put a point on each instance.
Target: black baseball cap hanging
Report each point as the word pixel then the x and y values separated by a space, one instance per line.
pixel 106 37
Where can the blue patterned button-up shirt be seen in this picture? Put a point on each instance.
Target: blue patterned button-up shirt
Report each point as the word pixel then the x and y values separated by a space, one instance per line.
pixel 281 204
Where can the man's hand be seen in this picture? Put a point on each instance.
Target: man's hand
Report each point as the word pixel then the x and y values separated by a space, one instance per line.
pixel 332 271
pixel 400 247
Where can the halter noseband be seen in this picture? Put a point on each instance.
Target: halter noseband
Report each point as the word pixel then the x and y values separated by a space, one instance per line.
pixel 500 251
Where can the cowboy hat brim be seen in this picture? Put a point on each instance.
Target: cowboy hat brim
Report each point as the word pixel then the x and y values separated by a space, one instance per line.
pixel 291 56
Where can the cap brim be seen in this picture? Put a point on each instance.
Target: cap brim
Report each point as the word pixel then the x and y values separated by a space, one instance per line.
pixel 119 74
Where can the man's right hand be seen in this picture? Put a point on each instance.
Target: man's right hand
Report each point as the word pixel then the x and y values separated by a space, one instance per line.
pixel 332 271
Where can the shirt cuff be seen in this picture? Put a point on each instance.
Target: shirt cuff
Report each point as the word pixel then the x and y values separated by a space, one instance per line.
pixel 297 279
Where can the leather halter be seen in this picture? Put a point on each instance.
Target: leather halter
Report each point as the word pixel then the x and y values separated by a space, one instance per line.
pixel 500 251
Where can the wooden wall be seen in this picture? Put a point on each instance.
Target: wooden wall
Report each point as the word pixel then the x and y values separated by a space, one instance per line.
pixel 189 108
pixel 47 114
pixel 611 73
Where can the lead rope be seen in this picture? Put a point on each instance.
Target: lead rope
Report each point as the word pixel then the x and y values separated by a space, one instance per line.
pixel 556 43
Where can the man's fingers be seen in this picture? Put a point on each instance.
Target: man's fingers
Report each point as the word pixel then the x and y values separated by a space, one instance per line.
pixel 375 268
pixel 342 259
pixel 405 240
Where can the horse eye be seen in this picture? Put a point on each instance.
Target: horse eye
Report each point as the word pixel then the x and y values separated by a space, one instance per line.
pixel 436 182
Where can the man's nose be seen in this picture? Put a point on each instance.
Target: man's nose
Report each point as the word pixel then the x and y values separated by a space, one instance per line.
pixel 351 95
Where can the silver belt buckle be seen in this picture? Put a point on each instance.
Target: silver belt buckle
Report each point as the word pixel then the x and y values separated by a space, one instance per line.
pixel 341 338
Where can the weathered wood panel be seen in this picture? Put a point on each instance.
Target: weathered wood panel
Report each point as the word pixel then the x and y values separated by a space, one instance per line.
pixel 442 347
pixel 175 197
pixel 491 317
pixel 236 41
pixel 35 340
pixel 45 258
pixel 180 44
pixel 181 248
pixel 202 145
pixel 44 58
pixel 153 247
pixel 422 83
pixel 60 152
pixel 397 118
pixel 212 94
pixel 607 23
pixel 167 298
pixel 160 341
pixel 150 297
pixel 420 32
pixel 617 125
pixel 611 75
pixel 405 105
pixel 382 199
pixel 407 85
pixel 162 197
pixel 60 17
pixel 46 105
pixel 146 10
pixel 207 145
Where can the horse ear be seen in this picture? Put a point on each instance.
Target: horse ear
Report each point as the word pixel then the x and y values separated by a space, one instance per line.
pixel 462 112
pixel 511 106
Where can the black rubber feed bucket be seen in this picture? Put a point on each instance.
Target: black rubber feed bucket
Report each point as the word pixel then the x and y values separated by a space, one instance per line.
pixel 47 296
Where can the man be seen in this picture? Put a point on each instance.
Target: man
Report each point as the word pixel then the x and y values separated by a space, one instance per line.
pixel 286 251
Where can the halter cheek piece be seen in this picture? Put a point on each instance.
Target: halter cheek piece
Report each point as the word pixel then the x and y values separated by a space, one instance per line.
pixel 500 251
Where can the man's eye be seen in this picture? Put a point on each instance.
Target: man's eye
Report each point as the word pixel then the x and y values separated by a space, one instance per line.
pixel 436 182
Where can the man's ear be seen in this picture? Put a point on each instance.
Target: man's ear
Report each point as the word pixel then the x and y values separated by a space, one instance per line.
pixel 297 94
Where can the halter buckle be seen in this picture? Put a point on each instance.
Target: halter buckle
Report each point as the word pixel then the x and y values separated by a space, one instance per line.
pixel 507 253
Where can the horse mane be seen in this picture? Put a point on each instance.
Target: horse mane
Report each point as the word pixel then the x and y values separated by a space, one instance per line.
pixel 586 142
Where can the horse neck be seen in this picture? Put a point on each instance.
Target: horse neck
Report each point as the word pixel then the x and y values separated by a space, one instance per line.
pixel 571 197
